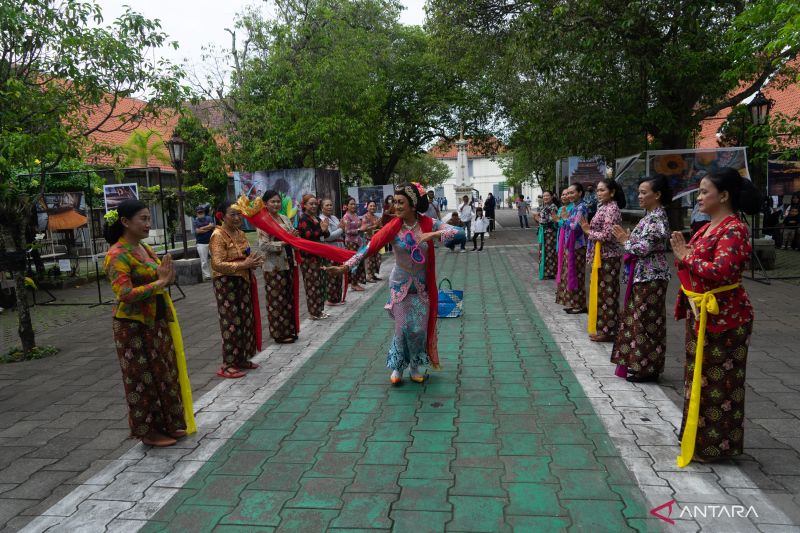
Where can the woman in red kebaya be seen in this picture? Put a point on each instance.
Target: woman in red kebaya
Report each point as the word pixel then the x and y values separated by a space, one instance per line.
pixel 719 318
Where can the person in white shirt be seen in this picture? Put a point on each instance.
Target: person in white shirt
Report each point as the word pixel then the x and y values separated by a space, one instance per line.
pixel 479 226
pixel 466 215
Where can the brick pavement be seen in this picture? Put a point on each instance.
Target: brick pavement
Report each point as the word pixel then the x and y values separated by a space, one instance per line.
pixel 501 439
pixel 63 419
pixel 767 477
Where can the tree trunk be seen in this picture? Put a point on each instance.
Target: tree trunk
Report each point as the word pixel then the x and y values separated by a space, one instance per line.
pixel 25 326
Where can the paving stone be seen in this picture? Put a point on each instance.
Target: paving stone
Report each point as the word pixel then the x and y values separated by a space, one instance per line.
pixel 584 485
pixel 423 495
pixel 384 453
pixel 471 481
pixel 376 478
pixel 418 521
pixel 527 469
pixel 539 499
pixel 280 477
pixel 39 486
pixel 367 511
pixel 428 466
pixel 219 490
pixel 432 442
pixel 476 432
pixel 475 513
pixel 574 457
pixel 258 508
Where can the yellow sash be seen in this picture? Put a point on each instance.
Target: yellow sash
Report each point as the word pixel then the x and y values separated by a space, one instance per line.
pixel 183 375
pixel 706 302
pixel 593 288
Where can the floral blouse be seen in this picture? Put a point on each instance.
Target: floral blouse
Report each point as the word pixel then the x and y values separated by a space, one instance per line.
pixel 311 230
pixel 546 217
pixel 274 249
pixel 227 251
pixel 408 277
pixel 717 258
pixel 600 229
pixel 352 228
pixel 373 221
pixel 572 224
pixel 133 279
pixel 648 242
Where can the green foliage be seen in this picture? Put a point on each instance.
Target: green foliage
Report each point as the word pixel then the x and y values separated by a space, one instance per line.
pixel 204 163
pixel 194 195
pixel 16 354
pixel 142 145
pixel 421 167
pixel 338 83
pixel 612 77
pixel 62 74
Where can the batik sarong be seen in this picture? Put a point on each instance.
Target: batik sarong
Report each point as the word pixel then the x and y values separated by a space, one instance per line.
pixel 280 303
pixel 360 275
pixel 236 321
pixel 311 267
pixel 334 285
pixel 373 265
pixel 575 299
pixel 608 296
pixel 150 377
pixel 720 430
pixel 550 258
pixel 642 338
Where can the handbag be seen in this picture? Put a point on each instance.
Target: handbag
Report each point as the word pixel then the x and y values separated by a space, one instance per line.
pixel 450 301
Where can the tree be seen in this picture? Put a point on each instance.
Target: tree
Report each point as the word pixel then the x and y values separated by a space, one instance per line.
pixel 336 83
pixel 62 76
pixel 142 145
pixel 421 167
pixel 204 163
pixel 611 77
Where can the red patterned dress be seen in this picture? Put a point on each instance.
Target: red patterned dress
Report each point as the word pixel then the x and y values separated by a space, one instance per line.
pixel 717 258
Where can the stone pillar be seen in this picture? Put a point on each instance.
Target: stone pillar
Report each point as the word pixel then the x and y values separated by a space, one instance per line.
pixel 188 271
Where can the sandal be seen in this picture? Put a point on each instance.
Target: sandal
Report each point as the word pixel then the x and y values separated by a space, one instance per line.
pixel 576 311
pixel 286 340
pixel 177 434
pixel 357 288
pixel 158 440
pixel 248 365
pixel 229 372
pixel 396 378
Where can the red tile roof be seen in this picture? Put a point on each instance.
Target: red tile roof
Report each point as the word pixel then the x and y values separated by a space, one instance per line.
pixel 445 150
pixel 784 93
pixel 124 121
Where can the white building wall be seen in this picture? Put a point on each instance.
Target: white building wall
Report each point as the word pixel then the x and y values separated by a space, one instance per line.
pixel 485 173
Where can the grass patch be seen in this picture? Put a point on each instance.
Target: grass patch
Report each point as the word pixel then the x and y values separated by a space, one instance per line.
pixel 15 355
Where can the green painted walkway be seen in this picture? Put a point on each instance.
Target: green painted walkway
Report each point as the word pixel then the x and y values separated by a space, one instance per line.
pixel 502 439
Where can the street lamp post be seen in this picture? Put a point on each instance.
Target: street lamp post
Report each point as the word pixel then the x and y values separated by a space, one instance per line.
pixel 759 108
pixel 177 154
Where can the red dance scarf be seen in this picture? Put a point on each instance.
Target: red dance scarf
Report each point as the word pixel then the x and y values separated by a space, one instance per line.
pixel 263 221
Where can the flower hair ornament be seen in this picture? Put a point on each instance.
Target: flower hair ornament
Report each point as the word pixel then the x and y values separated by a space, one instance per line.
pixel 408 192
pixel 111 217
pixel 219 215
pixel 419 187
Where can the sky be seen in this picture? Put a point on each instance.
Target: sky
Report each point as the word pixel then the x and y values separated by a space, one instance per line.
pixel 195 23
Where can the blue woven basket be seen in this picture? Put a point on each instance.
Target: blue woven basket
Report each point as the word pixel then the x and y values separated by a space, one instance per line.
pixel 450 301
